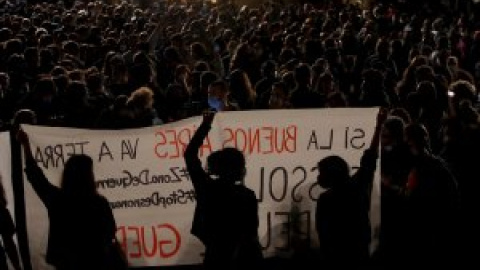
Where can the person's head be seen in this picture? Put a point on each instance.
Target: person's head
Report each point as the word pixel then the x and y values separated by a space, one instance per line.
pixel 336 99
pixel 268 68
pixel 427 93
pixel 417 138
pixel 240 87
pixel 76 93
pixel 218 90
pixel 393 132
pixel 462 90
pixel 402 113
pixel 4 82
pixel 303 74
pixel 325 83
pixel 382 48
pixel 279 96
pixel 228 164
pixel 198 51
pixel 71 47
pixel 78 176
pixel 424 73
pixel 142 98
pixel 23 116
pixel 201 66
pixel 94 81
pixel 332 171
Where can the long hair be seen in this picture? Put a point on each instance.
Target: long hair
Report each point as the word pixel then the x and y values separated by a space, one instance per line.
pixel 78 177
pixel 418 135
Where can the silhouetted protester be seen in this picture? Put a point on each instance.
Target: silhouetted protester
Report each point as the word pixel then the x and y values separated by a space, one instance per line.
pixel 461 151
pixel 395 166
pixel 342 214
pixel 7 230
pixel 226 214
pixel 432 205
pixel 82 225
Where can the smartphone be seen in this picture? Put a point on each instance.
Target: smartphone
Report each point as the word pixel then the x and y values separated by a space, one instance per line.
pixel 215 104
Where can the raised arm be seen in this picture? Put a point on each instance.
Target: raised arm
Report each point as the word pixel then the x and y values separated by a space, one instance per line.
pixel 381 117
pixel 192 160
pixel 44 189
pixel 368 163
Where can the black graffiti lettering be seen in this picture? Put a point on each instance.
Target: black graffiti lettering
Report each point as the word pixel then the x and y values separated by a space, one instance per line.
pixel 129 150
pixel 357 140
pixel 313 142
pixel 266 240
pixel 179 173
pixel 277 183
pixel 349 138
pixel 56 155
pixel 104 151
pixel 177 197
pixel 111 182
pixel 132 179
pixel 262 185
pixel 303 178
pixel 285 229
pixel 284 185
pixel 144 177
pixel 133 203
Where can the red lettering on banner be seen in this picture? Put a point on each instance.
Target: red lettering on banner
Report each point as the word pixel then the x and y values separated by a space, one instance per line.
pixel 158 146
pixel 206 146
pixel 229 140
pixel 154 248
pixel 263 140
pixel 135 242
pixel 171 143
pixel 161 240
pixel 122 235
pixel 162 243
pixel 290 135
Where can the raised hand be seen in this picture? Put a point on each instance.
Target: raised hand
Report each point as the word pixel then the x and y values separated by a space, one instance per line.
pixel 22 137
pixel 208 117
pixel 382 116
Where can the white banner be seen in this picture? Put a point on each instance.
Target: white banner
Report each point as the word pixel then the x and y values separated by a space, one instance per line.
pixel 142 173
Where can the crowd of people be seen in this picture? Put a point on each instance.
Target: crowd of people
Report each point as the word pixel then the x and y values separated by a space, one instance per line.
pixel 100 65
